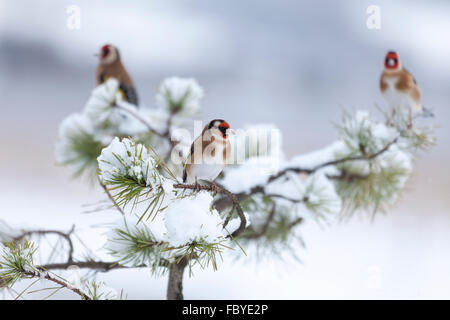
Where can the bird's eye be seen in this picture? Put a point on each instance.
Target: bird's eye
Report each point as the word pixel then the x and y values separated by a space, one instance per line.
pixel 223 129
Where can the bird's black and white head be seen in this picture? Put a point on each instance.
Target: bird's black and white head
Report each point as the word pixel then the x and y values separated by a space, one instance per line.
pixel 219 128
pixel 108 54
pixel 392 61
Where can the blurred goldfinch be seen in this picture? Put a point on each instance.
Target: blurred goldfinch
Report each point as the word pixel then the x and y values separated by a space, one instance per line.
pixel 399 88
pixel 110 66
pixel 209 153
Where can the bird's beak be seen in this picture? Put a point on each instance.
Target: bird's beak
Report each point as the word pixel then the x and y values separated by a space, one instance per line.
pixel 96 54
pixel 231 132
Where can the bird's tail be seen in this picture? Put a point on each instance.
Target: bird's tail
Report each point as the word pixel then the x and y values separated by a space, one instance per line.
pixel 184 175
pixel 427 113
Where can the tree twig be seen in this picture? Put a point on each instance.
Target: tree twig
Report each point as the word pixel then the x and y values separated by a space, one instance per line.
pixel 175 284
pixel 111 198
pixel 140 119
pixel 65 235
pixel 265 227
pixel 261 188
pixel 175 281
pixel 57 281
pixel 102 266
pixel 333 162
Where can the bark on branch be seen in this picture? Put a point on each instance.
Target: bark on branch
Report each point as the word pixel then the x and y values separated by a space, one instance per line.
pixel 31 274
pixel 363 157
pixel 101 266
pixel 175 284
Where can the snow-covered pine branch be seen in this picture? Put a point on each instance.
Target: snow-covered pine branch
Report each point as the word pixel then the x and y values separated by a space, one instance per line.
pixel 17 263
pixel 163 221
pixel 106 115
pixel 179 96
pixel 166 225
pixel 366 169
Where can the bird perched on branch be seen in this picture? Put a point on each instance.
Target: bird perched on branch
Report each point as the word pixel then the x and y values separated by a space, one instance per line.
pixel 209 154
pixel 399 88
pixel 110 66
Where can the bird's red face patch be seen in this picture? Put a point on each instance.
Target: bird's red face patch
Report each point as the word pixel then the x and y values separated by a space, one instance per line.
pixel 105 50
pixel 224 125
pixel 223 129
pixel 391 60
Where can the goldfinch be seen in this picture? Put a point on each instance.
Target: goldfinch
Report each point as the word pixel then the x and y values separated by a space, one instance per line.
pixel 110 66
pixel 399 88
pixel 209 154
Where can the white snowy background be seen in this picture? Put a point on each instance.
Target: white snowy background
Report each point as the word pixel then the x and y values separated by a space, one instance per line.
pixel 292 63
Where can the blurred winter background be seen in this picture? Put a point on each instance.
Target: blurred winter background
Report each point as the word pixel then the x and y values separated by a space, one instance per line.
pixel 292 63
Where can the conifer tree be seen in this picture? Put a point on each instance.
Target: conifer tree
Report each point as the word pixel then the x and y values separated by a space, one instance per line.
pixel 136 155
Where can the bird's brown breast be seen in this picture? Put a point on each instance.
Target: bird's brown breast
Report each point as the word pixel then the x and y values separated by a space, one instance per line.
pixel 114 70
pixel 205 146
pixel 117 70
pixel 403 82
